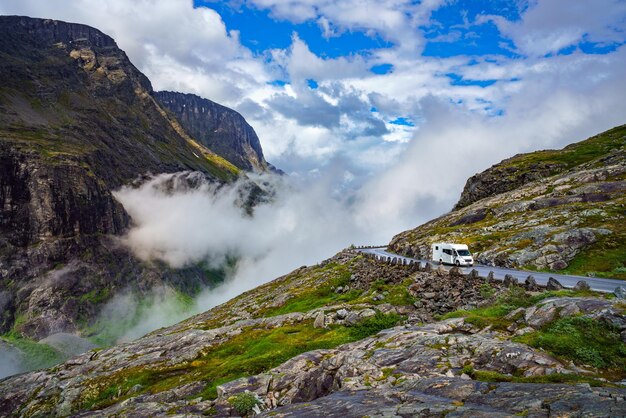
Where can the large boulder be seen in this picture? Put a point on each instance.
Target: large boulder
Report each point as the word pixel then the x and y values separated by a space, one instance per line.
pixel 581 285
pixel 554 284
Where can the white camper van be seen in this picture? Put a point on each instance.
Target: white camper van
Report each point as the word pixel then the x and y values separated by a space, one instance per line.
pixel 456 254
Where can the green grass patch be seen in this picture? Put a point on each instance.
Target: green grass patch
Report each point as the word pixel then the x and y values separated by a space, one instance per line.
pixel 111 327
pixel 36 355
pixel 574 154
pixel 394 294
pixel 513 298
pixel 606 258
pixel 249 353
pixel 491 376
pixel 244 403
pixel 96 296
pixel 317 296
pixel 585 341
pixel 483 317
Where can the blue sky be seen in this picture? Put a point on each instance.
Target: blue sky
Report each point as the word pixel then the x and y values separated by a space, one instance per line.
pixel 261 32
pixel 457 28
pixel 450 32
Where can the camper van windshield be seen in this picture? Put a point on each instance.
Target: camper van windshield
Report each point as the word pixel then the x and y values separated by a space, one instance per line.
pixel 463 252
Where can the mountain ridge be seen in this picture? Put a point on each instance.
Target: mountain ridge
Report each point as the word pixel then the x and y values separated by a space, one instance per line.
pixel 521 169
pixel 566 217
pixel 77 121
pixel 217 127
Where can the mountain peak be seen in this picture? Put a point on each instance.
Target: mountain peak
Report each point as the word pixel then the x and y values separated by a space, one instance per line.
pixel 217 127
pixel 55 31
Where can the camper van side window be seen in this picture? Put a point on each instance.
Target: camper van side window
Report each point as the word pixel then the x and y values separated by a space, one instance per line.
pixel 436 247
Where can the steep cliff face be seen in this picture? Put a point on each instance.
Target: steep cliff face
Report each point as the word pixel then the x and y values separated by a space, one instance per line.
pixel 77 120
pixel 218 128
pixel 550 210
pixel 68 93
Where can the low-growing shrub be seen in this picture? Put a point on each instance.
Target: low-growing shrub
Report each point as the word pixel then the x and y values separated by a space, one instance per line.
pixel 244 402
pixel 373 325
pixel 585 341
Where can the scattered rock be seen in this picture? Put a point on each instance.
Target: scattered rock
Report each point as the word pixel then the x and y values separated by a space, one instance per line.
pixel 515 313
pixel 523 331
pixel 582 285
pixel 366 313
pixel 341 313
pixel 455 271
pixel 320 320
pixel 509 281
pixel 352 318
pixel 620 292
pixel 542 315
pixel 554 284
pixel 531 284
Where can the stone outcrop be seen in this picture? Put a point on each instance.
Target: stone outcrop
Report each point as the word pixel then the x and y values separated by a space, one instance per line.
pixel 443 396
pixel 552 309
pixel 217 127
pixel 427 362
pixel 501 178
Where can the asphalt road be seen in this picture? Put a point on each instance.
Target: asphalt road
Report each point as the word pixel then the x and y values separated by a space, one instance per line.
pixel 596 283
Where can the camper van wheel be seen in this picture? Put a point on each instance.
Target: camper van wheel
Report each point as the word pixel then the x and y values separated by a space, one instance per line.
pixel 440 261
pixel 457 263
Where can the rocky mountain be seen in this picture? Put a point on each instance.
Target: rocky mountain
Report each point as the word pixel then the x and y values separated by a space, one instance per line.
pixel 355 336
pixel 558 210
pixel 77 121
pixel 218 128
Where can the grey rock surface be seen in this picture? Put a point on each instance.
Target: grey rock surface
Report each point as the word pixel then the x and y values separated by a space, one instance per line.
pixel 219 128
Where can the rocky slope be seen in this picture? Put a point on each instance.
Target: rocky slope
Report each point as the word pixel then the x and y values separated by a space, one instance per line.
pixel 77 121
pixel 308 344
pixel 218 128
pixel 551 210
